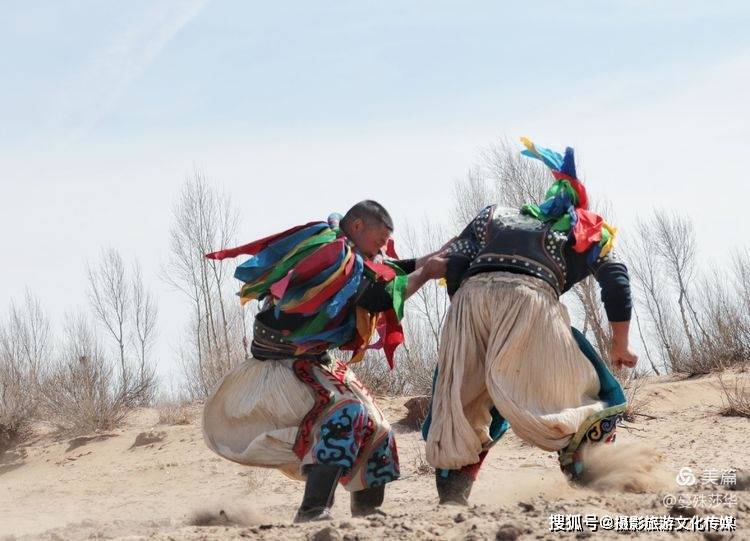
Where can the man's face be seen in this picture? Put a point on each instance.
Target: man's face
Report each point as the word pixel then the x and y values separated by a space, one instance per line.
pixel 369 237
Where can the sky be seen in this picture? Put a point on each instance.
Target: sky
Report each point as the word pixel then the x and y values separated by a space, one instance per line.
pixel 299 109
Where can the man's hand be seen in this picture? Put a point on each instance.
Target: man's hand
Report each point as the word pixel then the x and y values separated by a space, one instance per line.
pixel 620 353
pixel 622 356
pixel 422 261
pixel 435 267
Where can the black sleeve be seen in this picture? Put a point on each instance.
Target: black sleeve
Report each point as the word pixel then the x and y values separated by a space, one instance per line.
pixel 373 297
pixel 465 248
pixel 615 285
pixel 407 265
pixel 457 266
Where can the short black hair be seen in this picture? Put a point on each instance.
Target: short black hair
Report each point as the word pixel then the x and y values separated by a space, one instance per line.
pixel 368 211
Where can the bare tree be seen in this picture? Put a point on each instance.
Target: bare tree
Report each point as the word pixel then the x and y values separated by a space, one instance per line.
pixel 644 341
pixel 25 346
pixel 109 297
pixel 144 319
pixel 594 319
pixel 517 180
pixel 430 303
pixel 674 238
pixel 648 272
pixel 471 195
pixel 726 325
pixel 741 277
pixel 205 221
pixel 127 311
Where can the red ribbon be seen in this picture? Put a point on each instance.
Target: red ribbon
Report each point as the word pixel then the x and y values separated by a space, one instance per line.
pixel 256 246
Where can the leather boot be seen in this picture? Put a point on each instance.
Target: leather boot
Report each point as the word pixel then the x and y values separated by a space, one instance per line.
pixel 366 502
pixel 453 488
pixel 320 488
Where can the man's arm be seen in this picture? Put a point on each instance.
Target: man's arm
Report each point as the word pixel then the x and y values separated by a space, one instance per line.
pixel 620 353
pixel 433 268
pixel 420 261
pixel 615 285
pixel 375 298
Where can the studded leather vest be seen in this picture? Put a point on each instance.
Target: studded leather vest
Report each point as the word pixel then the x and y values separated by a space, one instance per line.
pixel 503 239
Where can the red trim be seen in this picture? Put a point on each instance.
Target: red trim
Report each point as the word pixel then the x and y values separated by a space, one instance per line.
pixel 390 248
pixel 381 270
pixel 369 431
pixel 472 470
pixel 305 372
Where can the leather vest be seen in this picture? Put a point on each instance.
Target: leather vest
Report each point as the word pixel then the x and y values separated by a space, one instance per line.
pixel 522 244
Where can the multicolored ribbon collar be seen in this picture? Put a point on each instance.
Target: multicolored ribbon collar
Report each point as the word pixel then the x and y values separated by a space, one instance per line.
pixel 566 204
pixel 312 271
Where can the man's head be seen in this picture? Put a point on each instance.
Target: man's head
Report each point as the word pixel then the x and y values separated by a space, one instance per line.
pixel 369 226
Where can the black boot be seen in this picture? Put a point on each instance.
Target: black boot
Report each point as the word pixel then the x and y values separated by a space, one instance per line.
pixel 455 488
pixel 319 490
pixel 366 502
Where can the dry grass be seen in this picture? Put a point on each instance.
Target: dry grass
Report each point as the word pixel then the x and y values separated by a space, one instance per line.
pixel 638 402
pixel 80 396
pixel 13 434
pixel 418 462
pixel 736 397
pixel 174 414
pixel 18 404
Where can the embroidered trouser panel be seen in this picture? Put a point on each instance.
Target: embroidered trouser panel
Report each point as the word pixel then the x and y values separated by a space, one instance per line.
pixel 290 413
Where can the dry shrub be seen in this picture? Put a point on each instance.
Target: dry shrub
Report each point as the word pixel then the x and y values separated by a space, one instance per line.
pixel 736 397
pixel 418 462
pixel 79 396
pixel 24 346
pixel 414 367
pixel 637 400
pixel 172 413
pixel 17 405
pixel 80 392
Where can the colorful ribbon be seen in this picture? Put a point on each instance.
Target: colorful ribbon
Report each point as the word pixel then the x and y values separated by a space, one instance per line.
pixel 566 204
pixel 312 272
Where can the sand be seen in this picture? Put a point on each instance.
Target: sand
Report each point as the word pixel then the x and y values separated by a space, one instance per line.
pixel 106 487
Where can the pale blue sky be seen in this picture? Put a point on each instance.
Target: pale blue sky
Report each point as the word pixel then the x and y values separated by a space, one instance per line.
pixel 298 109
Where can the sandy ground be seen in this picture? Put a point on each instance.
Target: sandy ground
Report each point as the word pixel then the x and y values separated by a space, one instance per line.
pixel 104 488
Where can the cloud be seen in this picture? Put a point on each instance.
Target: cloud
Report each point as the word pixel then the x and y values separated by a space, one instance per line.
pixel 94 90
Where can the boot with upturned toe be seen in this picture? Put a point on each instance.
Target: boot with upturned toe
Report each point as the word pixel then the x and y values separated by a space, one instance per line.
pixel 320 488
pixel 366 502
